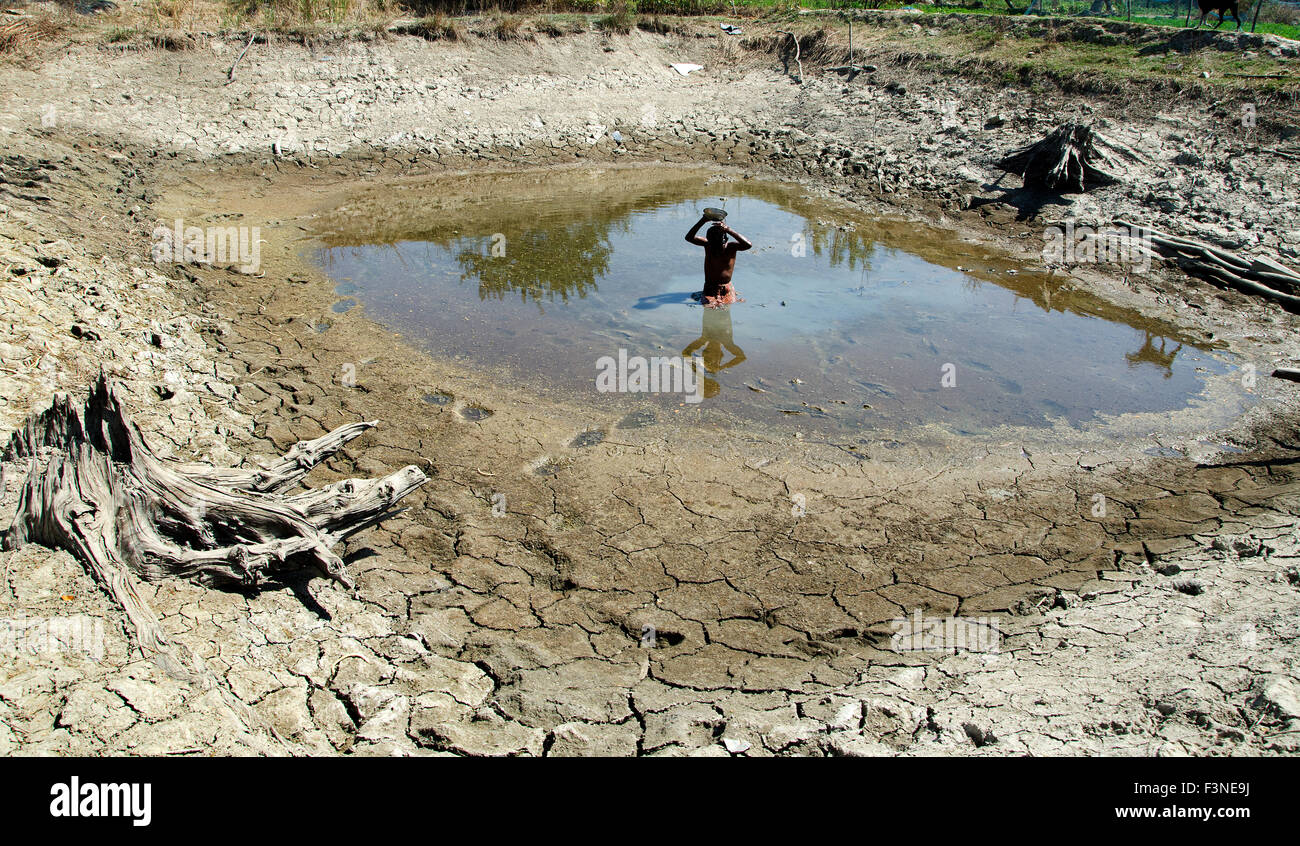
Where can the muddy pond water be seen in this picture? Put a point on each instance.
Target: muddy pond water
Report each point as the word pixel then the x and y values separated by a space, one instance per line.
pixel 846 323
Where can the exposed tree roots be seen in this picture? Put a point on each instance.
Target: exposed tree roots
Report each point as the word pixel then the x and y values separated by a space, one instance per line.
pixel 1258 275
pixel 96 489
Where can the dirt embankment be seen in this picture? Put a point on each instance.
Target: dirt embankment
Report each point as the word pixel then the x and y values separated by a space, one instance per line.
pixel 1161 623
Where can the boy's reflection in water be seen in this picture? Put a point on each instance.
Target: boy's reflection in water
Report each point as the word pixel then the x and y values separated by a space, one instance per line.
pixel 715 338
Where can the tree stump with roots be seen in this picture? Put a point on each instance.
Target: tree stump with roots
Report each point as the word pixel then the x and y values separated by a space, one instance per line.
pixel 96 489
pixel 1072 158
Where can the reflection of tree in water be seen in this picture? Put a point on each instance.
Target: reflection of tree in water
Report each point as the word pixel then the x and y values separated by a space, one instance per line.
pixel 1152 354
pixel 562 260
pixel 1056 296
pixel 841 246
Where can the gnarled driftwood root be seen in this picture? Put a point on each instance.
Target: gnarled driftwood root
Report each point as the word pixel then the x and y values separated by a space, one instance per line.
pixel 1259 275
pixel 96 489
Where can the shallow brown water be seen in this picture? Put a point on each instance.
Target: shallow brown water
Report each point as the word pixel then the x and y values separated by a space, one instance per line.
pixel 848 323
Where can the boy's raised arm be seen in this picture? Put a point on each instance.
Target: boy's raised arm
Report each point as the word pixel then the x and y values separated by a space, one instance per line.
pixel 693 235
pixel 743 243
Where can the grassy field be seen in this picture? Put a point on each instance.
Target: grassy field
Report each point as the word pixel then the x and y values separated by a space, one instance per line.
pixel 1271 21
pixel 1158 16
pixel 1283 29
pixel 1064 61
pixel 1275 18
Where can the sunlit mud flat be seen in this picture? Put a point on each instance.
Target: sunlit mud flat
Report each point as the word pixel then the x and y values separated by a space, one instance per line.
pixel 848 323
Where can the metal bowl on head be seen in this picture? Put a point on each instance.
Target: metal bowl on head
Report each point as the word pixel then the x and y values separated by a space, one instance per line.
pixel 715 214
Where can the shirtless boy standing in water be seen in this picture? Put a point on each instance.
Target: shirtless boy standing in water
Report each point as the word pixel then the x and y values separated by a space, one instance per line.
pixel 719 260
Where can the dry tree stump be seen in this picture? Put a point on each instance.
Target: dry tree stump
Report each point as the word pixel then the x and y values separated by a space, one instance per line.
pixel 96 489
pixel 1072 158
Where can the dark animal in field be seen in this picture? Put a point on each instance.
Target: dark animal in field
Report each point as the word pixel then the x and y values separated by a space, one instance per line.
pixel 1220 6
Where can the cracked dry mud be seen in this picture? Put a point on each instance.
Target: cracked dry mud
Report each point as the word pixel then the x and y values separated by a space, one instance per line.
pixel 1165 625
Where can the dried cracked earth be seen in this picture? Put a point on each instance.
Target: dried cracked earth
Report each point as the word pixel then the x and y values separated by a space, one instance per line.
pixel 1143 575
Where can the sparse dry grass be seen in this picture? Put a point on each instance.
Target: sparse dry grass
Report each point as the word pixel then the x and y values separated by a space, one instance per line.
pixel 21 35
pixel 620 19
pixel 660 26
pixel 548 27
pixel 510 28
pixel 223 15
pixel 24 35
pixel 433 28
